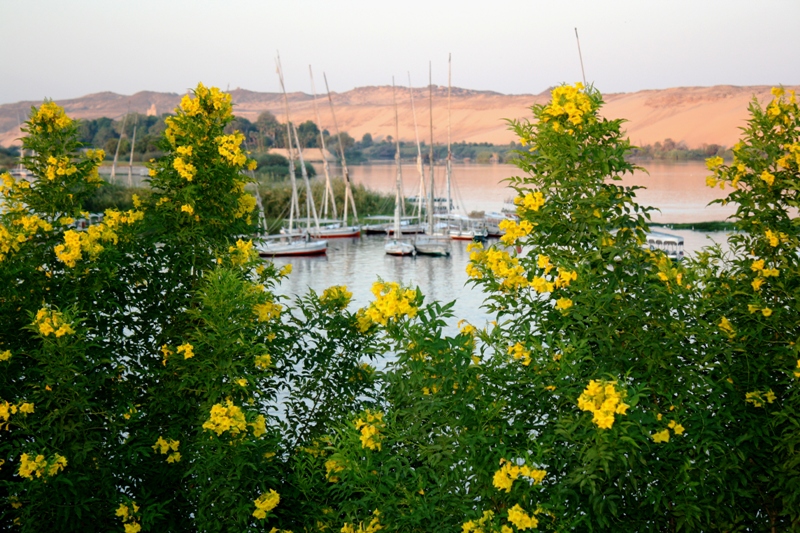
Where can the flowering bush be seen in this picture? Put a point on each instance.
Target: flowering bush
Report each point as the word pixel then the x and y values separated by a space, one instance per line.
pixel 152 380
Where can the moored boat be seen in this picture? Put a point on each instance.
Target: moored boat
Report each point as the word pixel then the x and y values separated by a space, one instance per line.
pixel 289 245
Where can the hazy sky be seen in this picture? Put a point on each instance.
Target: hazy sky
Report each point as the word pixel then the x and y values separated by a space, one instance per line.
pixel 68 48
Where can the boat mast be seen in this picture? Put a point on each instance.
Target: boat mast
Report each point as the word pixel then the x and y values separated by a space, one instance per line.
pixel 311 208
pixel 449 165
pixel 262 218
pixel 431 197
pixel 295 204
pixel 328 196
pixel 119 141
pixel 398 198
pixel 130 161
pixel 348 193
pixel 421 193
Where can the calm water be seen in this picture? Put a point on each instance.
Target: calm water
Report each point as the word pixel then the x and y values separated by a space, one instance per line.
pixel 679 190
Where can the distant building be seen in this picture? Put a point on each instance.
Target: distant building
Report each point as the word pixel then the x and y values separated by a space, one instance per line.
pixel 312 155
pixel 152 112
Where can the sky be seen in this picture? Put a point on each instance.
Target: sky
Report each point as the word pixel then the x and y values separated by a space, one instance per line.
pixel 64 49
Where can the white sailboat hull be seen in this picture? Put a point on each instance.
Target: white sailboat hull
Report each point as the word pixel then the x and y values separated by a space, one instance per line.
pixel 396 247
pixel 289 246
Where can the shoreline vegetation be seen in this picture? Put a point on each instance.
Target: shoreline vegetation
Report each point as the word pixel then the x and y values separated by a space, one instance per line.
pixel 268 132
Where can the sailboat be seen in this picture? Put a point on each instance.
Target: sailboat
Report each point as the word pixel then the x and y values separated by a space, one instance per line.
pixel 331 228
pixel 432 242
pixel 295 241
pixel 395 244
pixel 459 227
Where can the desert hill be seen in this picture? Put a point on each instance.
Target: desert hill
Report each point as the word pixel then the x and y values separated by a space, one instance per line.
pixel 693 115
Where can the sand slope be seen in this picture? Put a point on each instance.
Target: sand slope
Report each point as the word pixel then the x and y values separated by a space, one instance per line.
pixel 693 115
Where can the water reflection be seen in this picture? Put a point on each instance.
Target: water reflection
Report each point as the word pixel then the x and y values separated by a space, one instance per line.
pixel 678 189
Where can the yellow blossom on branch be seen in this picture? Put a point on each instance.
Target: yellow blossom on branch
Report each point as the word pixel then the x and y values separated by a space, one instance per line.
pixel 604 400
pixel 369 424
pixel 504 478
pixel 265 503
pixel 49 321
pixel 228 417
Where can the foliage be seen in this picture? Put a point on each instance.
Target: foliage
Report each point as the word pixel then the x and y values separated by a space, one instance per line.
pixel 669 150
pixel 151 380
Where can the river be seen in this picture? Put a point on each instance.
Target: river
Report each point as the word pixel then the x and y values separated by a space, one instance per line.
pixel 677 189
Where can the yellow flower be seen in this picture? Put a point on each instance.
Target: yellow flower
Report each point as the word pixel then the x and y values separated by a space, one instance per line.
pixel 661 436
pixel 519 352
pixel 714 163
pixel 228 417
pixel 726 326
pixel 370 424
pixel 5 356
pixel 521 519
pixel 562 304
pixel 604 400
pixel 263 361
pixel 187 350
pixel 509 472
pixel 265 503
pixel 767 177
pixel 766 312
pixel 187 209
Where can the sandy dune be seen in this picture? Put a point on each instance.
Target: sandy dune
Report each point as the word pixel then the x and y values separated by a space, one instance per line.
pixel 694 115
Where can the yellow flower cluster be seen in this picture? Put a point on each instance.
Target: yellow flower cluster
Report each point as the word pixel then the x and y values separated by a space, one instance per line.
pixel 59 167
pixel 766 311
pixel 775 238
pixel 263 362
pixel 758 398
pixel 513 231
pixel 186 349
pixel 762 272
pixel 229 147
pixel 570 103
pixel 7 409
pixel 164 446
pixel 30 466
pixel 521 519
pixel 265 503
pixel 604 400
pixel 228 417
pixel 500 264
pixel 207 101
pixel 532 201
pixel 242 253
pixel 78 242
pixel 370 424
pixel 509 472
pixel 267 311
pixel 391 303
pixel 477 526
pixel 186 170
pixel 336 297
pixel 245 205
pixel 797 372
pixel 373 526
pixel 663 435
pixel 50 321
pixel 128 516
pixel 332 467
pixel 49 117
pixel 5 356
pixel 519 352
